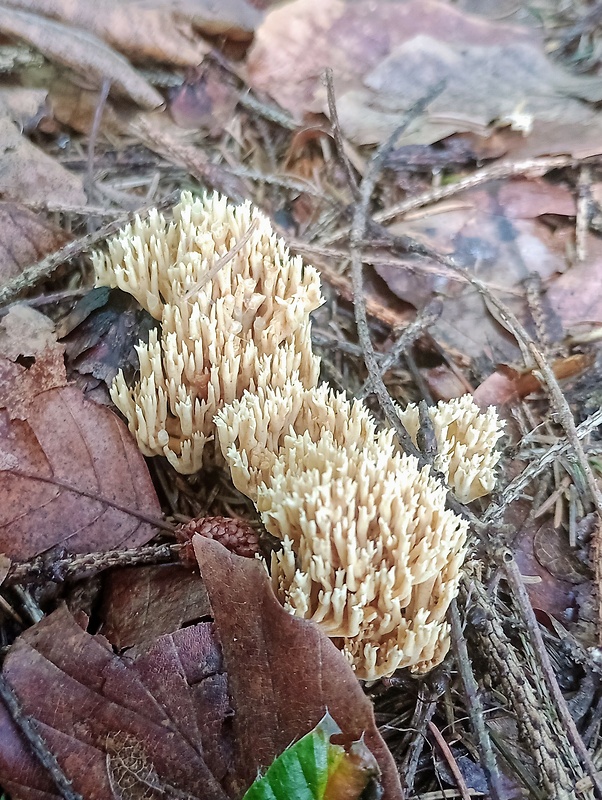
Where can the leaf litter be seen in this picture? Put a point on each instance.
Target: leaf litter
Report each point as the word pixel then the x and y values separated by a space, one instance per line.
pixel 183 712
pixel 256 123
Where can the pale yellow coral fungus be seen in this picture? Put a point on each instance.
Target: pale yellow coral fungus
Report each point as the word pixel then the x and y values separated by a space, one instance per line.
pixel 369 550
pixel 466 444
pixel 234 311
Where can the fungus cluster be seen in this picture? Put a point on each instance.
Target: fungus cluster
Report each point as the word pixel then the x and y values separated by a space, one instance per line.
pixel 234 311
pixel 369 550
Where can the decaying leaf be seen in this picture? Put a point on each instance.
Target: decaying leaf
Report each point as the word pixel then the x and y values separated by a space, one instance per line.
pixel 80 50
pixel 386 55
pixel 141 604
pixel 283 657
pixel 70 473
pixel 182 714
pixel 28 174
pixel 25 238
pixel 497 233
pixel 165 30
pixel 316 769
pixel 166 706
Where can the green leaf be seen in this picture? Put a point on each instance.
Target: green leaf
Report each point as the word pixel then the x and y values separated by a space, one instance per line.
pixel 315 769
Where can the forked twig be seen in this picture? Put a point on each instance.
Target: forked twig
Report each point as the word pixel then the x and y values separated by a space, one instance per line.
pixel 358 230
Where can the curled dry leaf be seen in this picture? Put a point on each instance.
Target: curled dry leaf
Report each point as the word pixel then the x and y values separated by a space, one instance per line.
pixel 183 713
pixel 165 30
pixel 81 51
pixel 70 473
pixel 386 55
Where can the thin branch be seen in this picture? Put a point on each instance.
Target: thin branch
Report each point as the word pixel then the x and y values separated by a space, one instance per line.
pixel 451 761
pixel 533 167
pixel 535 468
pixel 515 581
pixel 338 135
pixel 474 705
pixel 427 317
pixel 358 230
pixel 77 567
pixel 43 269
pixel 100 107
pixel 30 732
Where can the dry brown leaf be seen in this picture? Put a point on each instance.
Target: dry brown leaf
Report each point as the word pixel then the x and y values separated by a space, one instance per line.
pixel 139 605
pixel 386 55
pixel 273 657
pixel 25 238
pixel 576 296
pixel 82 51
pixel 164 30
pixel 71 473
pixel 27 174
pixel 495 232
pixel 166 705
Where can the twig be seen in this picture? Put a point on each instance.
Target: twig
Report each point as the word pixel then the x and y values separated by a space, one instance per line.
pixel 338 135
pixel 535 468
pixel 550 382
pixel 358 229
pixel 548 743
pixel 270 112
pixel 44 268
pixel 194 159
pixel 423 321
pixel 584 204
pixel 514 580
pixel 533 167
pixel 30 732
pixel 426 705
pixel 76 567
pixel 474 705
pixel 451 761
pixel 546 377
